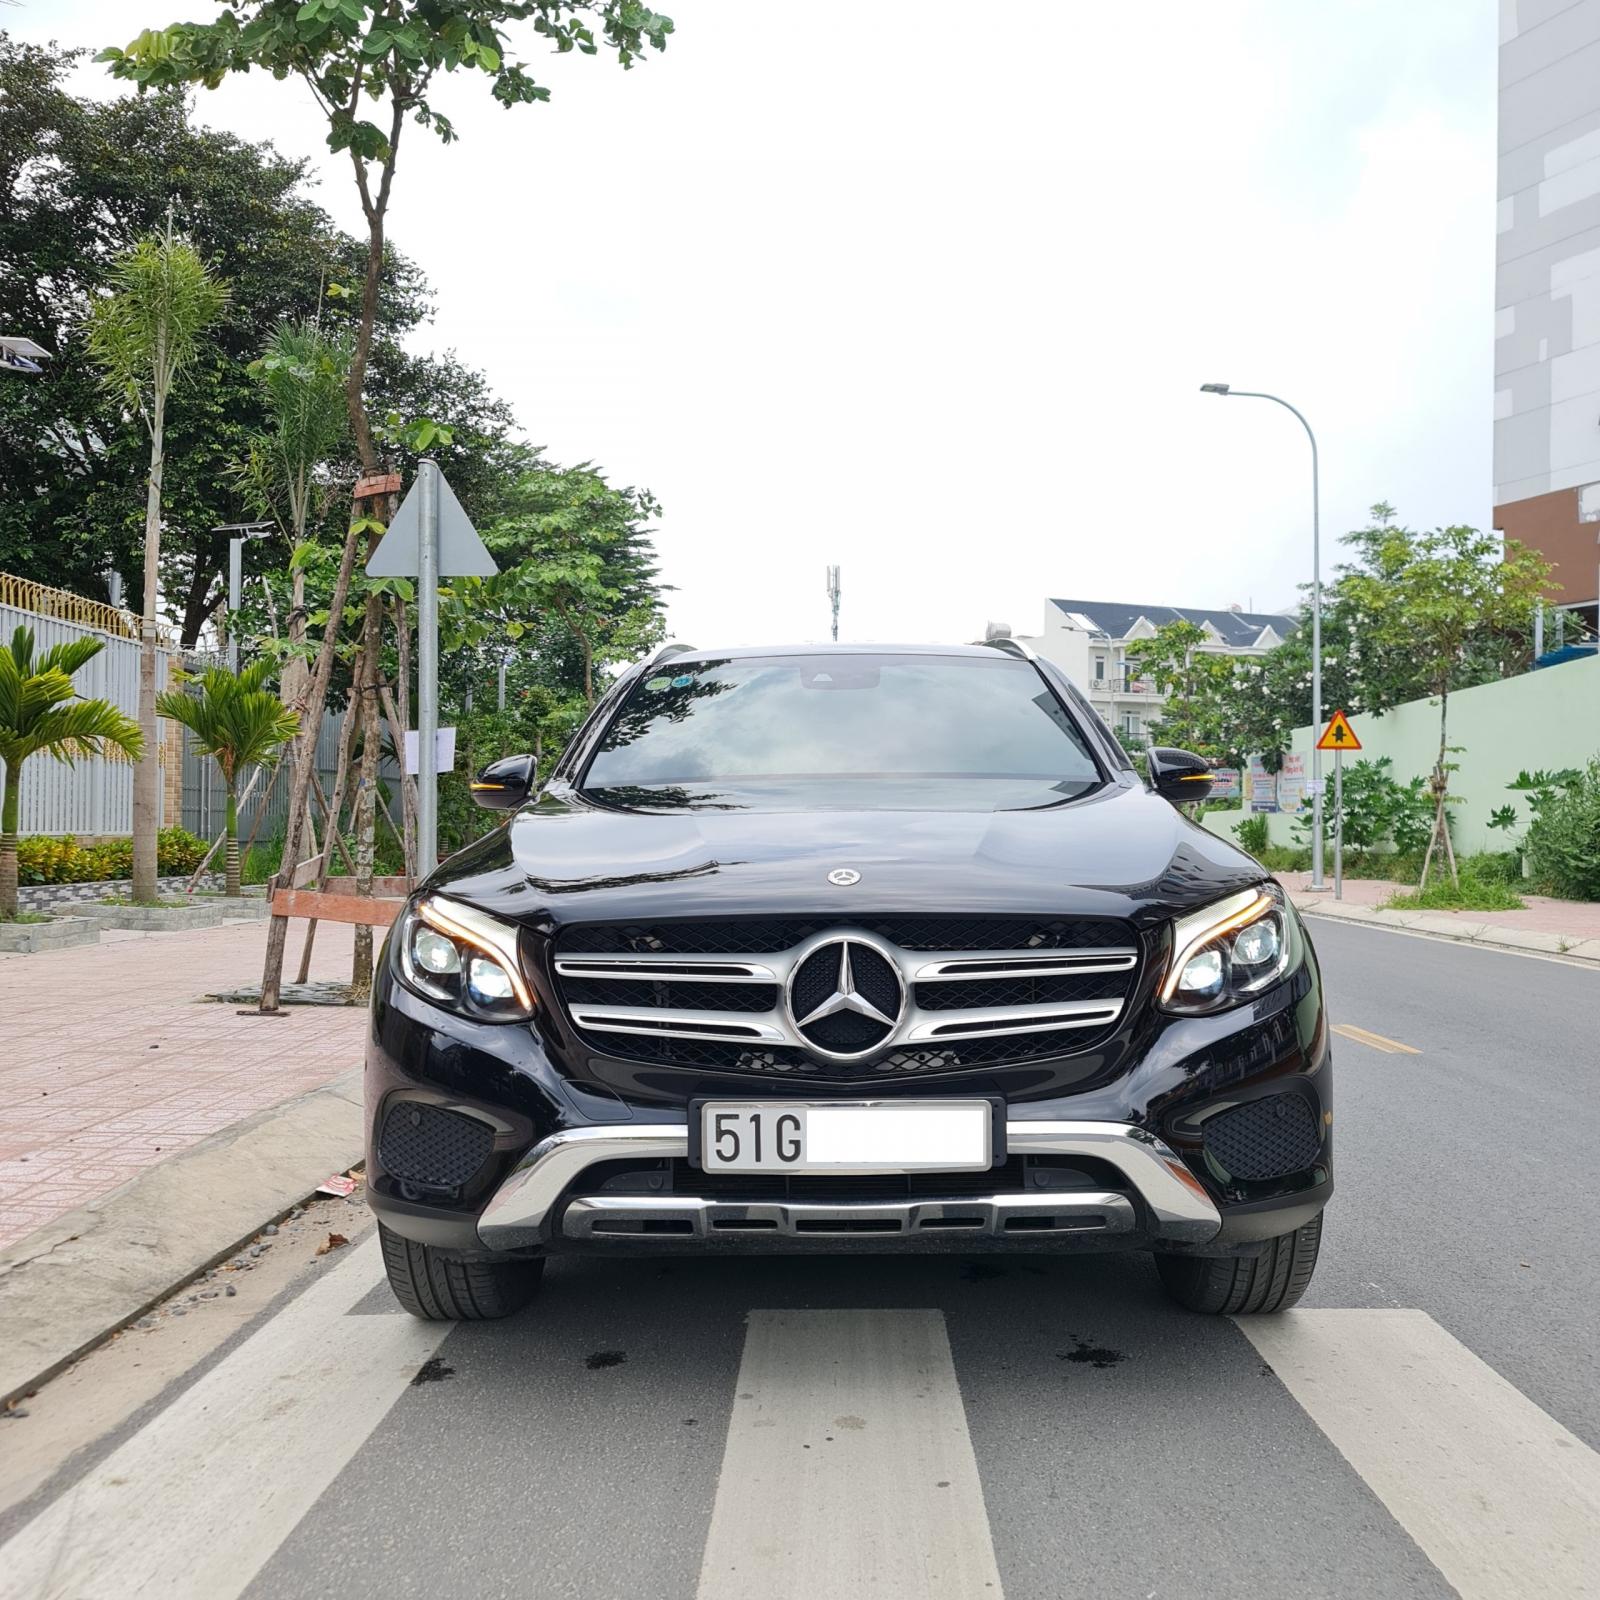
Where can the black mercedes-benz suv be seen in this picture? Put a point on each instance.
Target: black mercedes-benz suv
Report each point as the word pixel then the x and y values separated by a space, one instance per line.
pixel 838 949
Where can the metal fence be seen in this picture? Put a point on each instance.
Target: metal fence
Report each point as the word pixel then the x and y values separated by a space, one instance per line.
pixel 94 794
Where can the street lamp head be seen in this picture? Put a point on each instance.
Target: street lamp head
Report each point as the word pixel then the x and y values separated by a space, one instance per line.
pixel 1213 388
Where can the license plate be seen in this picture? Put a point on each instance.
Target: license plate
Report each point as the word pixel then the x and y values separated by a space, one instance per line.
pixel 780 1136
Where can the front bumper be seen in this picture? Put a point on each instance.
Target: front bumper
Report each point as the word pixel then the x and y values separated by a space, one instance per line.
pixel 523 1214
pixel 567 1163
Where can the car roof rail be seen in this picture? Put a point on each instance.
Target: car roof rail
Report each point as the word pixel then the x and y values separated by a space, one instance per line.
pixel 673 647
pixel 1013 647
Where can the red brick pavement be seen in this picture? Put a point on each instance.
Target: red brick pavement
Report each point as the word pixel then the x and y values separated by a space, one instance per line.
pixel 110 1061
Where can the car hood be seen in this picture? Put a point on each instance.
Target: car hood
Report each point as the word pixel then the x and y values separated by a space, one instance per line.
pixel 1121 852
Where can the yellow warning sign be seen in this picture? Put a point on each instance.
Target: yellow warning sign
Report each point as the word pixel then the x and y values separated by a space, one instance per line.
pixel 1339 735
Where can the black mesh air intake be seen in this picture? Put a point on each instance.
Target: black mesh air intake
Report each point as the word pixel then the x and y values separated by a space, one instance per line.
pixel 427 1145
pixel 1268 1138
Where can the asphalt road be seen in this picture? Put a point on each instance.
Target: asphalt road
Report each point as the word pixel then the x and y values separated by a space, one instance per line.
pixel 695 1430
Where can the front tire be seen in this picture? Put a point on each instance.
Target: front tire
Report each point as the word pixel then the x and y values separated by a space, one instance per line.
pixel 1245 1285
pixel 438 1287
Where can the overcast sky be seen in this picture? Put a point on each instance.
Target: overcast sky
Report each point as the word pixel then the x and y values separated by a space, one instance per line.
pixel 928 291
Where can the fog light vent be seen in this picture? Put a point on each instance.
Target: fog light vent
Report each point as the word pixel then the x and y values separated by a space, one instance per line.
pixel 430 1146
pixel 1267 1138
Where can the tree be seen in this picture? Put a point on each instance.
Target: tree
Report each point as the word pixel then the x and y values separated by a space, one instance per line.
pixel 41 712
pixel 1434 600
pixel 576 561
pixel 302 375
pixel 1194 682
pixel 386 54
pixel 239 723
pixel 142 335
pixel 80 180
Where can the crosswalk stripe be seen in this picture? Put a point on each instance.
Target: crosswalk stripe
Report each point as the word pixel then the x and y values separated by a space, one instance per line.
pixel 193 1504
pixel 1390 1047
pixel 1495 1492
pixel 848 1468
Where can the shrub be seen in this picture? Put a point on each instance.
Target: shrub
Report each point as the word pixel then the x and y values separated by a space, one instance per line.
pixel 1563 841
pixel 1473 893
pixel 1251 834
pixel 42 859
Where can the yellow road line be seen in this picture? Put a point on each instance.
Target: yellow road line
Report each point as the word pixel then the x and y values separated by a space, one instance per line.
pixel 1391 1047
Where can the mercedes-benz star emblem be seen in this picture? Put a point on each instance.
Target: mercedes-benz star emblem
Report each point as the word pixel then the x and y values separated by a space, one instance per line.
pixel 844 876
pixel 845 996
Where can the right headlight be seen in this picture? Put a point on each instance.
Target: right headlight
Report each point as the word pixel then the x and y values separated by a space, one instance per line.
pixel 1229 952
pixel 463 958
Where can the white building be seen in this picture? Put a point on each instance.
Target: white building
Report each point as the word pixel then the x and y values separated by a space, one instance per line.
pixel 1547 290
pixel 1089 639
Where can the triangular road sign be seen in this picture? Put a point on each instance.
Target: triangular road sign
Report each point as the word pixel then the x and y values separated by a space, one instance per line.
pixel 462 554
pixel 1338 735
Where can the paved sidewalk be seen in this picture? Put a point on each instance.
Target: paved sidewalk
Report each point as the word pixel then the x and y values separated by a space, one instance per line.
pixel 1551 927
pixel 112 1062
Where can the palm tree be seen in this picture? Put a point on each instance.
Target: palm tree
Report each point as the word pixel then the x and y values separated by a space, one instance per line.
pixel 238 723
pixel 302 375
pixel 41 711
pixel 141 336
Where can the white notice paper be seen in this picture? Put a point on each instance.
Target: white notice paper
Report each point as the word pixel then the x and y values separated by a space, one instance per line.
pixel 444 750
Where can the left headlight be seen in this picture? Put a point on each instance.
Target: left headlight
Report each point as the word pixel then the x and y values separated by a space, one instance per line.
pixel 463 958
pixel 1229 952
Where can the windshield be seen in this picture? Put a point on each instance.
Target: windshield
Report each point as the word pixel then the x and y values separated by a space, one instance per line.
pixel 843 732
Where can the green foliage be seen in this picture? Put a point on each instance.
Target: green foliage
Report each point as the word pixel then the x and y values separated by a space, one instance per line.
pixel 142 333
pixel 1251 834
pixel 1563 842
pixel 1474 891
pixel 41 712
pixel 576 560
pixel 1285 858
pixel 235 720
pixel 355 54
pixel 79 178
pixel 302 374
pixel 42 859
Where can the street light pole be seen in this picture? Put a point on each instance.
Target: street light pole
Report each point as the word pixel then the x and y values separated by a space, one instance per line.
pixel 237 533
pixel 1317 881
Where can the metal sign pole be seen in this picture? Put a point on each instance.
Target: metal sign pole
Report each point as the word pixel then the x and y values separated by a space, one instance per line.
pixel 1338 824
pixel 427 668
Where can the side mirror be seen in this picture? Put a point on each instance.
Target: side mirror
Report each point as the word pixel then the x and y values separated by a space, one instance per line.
pixel 504 784
pixel 1179 775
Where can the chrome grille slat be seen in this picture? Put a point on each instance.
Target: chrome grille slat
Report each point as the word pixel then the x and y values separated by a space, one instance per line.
pixel 933 1032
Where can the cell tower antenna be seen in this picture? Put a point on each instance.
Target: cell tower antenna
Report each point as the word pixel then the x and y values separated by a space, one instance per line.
pixel 833 597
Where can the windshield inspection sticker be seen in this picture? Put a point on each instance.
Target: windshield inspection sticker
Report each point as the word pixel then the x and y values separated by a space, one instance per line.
pixel 657 683
pixel 682 681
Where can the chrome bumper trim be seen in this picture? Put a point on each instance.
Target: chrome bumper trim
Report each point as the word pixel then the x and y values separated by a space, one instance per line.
pixel 661 1219
pixel 517 1214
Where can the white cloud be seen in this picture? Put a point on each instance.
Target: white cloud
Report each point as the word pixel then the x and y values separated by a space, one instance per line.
pixel 935 305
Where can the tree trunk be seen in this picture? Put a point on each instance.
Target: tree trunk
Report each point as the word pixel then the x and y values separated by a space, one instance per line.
pixel 305 756
pixel 366 809
pixel 231 888
pixel 8 840
pixel 147 770
pixel 296 672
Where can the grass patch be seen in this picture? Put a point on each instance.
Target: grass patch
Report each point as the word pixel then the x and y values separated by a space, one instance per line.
pixel 152 905
pixel 1475 892
pixel 26 916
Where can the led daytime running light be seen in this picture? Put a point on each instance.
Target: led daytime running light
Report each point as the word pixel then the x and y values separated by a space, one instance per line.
pixel 496 939
pixel 1193 933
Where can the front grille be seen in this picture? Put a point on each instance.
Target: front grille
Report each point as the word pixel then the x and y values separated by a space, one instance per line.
pixel 429 1146
pixel 753 935
pixel 877 996
pixel 1267 1138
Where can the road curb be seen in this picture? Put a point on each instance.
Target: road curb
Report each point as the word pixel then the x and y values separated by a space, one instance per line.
pixel 71 1284
pixel 1445 925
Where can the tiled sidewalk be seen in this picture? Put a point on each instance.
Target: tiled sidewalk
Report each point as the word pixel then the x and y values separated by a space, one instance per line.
pixel 1575 920
pixel 110 1061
